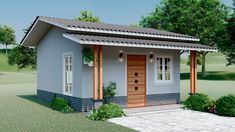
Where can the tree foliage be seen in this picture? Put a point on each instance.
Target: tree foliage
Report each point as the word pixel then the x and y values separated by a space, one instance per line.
pixel 87 16
pixel 228 47
pixel 22 57
pixel 200 18
pixel 199 59
pixel 7 36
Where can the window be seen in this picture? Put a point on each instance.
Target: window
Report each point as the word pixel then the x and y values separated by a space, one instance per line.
pixel 163 68
pixel 68 74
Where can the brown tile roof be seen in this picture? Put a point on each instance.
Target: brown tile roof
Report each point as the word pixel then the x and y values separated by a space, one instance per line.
pixel 145 43
pixel 74 24
pixel 111 34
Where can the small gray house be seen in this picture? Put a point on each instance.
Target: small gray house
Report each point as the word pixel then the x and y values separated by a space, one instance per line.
pixel 143 62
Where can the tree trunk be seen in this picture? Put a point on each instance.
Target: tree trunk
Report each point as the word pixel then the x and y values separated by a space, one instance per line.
pixel 204 64
pixel 18 68
pixel 6 49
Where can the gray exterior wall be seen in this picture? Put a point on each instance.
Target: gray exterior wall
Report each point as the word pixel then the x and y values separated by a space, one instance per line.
pixel 50 62
pixel 50 72
pixel 114 70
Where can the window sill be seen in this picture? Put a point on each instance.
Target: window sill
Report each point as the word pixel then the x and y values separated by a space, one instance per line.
pixel 164 82
pixel 68 94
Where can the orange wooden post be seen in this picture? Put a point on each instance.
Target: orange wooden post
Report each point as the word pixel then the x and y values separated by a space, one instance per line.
pixel 95 72
pixel 100 72
pixel 193 72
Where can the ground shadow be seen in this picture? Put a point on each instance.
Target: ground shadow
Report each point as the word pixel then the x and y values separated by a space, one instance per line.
pixel 212 75
pixel 2 74
pixel 35 99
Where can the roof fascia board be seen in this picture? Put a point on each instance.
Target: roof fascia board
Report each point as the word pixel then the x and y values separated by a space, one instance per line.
pixel 131 45
pixel 132 34
pixel 30 30
pixel 35 23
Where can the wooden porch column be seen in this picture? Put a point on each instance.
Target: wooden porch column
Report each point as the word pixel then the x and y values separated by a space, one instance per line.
pixel 100 83
pixel 97 72
pixel 193 72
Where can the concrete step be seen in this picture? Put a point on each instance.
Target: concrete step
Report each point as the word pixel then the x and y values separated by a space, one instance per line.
pixel 152 109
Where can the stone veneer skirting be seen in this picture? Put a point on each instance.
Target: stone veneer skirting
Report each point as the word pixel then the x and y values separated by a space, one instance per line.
pixel 86 104
pixel 78 104
pixel 163 99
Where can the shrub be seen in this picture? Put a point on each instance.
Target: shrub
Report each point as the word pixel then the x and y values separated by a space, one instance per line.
pixel 225 105
pixel 109 91
pixel 60 104
pixel 199 102
pixel 106 111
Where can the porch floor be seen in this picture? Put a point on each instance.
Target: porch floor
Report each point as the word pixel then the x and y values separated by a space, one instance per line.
pixel 149 109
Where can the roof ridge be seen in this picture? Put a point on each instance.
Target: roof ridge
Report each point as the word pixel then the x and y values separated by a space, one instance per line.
pixel 67 19
pixel 131 38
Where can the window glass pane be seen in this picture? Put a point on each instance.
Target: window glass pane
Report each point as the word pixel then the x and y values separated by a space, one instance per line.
pixel 167 69
pixel 163 68
pixel 70 59
pixel 167 75
pixel 159 76
pixel 159 69
pixel 66 88
pixel 68 73
pixel 66 60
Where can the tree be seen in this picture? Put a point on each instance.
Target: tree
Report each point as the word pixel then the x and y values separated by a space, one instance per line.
pixel 7 36
pixel 200 18
pixel 22 57
pixel 228 47
pixel 199 59
pixel 87 16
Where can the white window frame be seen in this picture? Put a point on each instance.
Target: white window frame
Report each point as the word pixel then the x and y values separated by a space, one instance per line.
pixel 163 69
pixel 63 59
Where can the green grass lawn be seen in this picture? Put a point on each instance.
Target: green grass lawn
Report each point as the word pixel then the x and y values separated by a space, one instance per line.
pixel 22 111
pixel 220 79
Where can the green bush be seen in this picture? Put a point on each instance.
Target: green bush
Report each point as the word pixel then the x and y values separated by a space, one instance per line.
pixel 109 91
pixel 199 102
pixel 225 105
pixel 60 104
pixel 106 111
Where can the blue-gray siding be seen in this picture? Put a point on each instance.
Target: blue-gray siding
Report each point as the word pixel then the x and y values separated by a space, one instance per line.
pixel 50 62
pixel 114 70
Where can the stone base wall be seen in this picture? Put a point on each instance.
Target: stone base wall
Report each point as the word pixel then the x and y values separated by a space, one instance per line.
pixel 87 104
pixel 78 104
pixel 163 99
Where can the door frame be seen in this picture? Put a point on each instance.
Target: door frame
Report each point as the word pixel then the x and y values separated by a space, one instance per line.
pixel 146 75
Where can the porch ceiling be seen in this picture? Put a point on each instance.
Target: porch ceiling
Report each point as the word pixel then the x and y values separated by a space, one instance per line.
pixel 140 43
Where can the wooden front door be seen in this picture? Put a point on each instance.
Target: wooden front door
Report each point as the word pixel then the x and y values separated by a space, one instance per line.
pixel 136 77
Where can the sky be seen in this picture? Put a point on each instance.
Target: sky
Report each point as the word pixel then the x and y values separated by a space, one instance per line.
pixel 19 14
